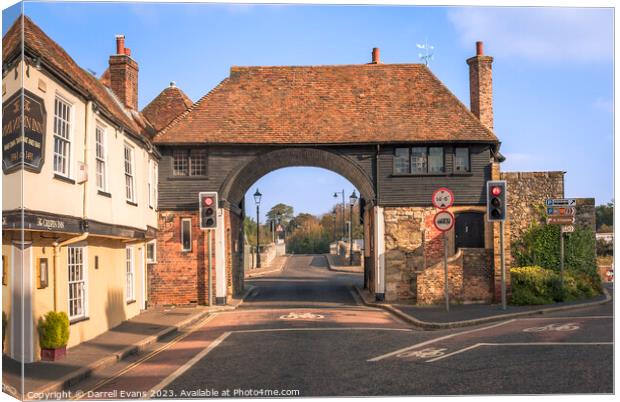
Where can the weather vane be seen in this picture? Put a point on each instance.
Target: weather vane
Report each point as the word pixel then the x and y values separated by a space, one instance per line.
pixel 426 53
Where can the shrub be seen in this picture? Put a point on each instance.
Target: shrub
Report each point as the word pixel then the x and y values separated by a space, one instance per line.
pixel 540 246
pixel 54 330
pixel 537 285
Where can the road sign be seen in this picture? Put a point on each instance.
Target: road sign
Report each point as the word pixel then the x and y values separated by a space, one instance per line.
pixel 444 221
pixel 561 202
pixel 567 228
pixel 443 198
pixel 560 220
pixel 561 211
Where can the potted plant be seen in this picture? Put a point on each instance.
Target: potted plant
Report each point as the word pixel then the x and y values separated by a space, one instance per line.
pixel 53 335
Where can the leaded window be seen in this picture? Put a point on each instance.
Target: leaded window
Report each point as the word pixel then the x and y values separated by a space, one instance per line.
pixel 461 159
pixel 189 162
pixel 62 137
pixel 77 283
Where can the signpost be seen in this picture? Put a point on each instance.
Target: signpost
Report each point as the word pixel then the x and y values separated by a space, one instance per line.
pixel 562 211
pixel 443 220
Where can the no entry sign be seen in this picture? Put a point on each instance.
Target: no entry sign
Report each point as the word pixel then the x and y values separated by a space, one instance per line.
pixel 443 198
pixel 444 221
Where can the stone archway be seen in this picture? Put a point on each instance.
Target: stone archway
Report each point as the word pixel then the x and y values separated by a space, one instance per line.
pixel 239 181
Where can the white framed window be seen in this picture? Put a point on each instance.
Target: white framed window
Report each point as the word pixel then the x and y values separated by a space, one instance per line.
pixel 151 252
pixel 130 193
pixel 186 234
pixel 129 271
pixel 62 137
pixel 101 157
pixel 76 265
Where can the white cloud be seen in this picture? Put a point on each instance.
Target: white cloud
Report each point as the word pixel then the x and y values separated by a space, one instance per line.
pixel 540 34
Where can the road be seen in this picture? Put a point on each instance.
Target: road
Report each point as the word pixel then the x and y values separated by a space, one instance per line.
pixel 301 332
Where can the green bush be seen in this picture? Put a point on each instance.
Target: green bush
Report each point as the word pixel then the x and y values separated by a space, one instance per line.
pixel 540 246
pixel 537 285
pixel 54 330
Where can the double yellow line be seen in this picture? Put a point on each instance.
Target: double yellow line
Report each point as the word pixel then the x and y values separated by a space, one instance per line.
pixel 154 353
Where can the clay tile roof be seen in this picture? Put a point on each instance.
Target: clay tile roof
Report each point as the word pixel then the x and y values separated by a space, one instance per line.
pixel 37 43
pixel 352 104
pixel 170 103
pixel 105 78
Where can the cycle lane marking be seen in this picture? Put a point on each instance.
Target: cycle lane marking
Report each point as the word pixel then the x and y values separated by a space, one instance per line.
pixel 441 338
pixel 477 345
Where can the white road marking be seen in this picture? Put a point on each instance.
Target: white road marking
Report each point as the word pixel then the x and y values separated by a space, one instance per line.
pixel 477 345
pixel 554 327
pixel 424 353
pixel 244 331
pixel 594 317
pixel 178 372
pixel 399 351
pixel 301 316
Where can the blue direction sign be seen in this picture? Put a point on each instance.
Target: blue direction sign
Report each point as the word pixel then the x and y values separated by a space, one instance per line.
pixel 561 202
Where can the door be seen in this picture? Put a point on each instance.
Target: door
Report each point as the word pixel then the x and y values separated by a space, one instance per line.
pixel 22 326
pixel 469 230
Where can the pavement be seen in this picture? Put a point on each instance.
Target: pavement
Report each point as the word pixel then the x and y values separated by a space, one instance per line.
pixel 131 337
pixel 276 265
pixel 336 263
pixel 462 315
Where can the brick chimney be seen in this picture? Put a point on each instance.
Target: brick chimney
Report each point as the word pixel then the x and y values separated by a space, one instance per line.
pixel 375 56
pixel 124 74
pixel 481 86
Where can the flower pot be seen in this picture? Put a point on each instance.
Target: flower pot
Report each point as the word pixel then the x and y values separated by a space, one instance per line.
pixel 52 355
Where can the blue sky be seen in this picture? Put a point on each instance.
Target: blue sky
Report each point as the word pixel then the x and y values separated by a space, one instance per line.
pixel 552 74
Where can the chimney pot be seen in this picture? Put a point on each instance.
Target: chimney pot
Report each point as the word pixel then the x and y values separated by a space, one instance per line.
pixel 479 48
pixel 127 51
pixel 120 44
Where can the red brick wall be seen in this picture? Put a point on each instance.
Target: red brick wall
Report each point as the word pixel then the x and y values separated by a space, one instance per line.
pixel 180 277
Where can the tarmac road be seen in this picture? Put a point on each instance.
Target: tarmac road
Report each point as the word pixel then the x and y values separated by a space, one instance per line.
pixel 302 333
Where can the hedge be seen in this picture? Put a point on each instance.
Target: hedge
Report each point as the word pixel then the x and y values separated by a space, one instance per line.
pixel 537 285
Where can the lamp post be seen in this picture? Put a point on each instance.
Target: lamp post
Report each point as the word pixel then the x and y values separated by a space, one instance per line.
pixel 352 199
pixel 257 196
pixel 343 210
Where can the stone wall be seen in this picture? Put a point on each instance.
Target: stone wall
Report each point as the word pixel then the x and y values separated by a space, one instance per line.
pixel 527 192
pixel 414 269
pixel 586 214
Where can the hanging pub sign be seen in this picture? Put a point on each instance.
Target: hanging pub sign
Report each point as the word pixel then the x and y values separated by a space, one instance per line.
pixel 27 149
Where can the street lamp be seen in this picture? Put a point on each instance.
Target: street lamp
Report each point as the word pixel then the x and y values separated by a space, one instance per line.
pixel 257 196
pixel 343 210
pixel 352 199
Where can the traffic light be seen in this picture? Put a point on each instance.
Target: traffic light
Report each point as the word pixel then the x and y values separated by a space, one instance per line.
pixel 208 210
pixel 496 201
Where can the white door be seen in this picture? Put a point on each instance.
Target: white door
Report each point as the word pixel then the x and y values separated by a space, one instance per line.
pixel 20 282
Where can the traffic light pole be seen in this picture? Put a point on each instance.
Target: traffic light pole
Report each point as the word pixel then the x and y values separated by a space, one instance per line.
pixel 502 262
pixel 209 267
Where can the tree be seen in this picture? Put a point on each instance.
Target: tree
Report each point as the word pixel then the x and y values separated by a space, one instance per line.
pixel 280 213
pixel 605 216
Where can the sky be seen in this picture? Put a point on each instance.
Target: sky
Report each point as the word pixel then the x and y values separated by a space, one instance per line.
pixel 552 70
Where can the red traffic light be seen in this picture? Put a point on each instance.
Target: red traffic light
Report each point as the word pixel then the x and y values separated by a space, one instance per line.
pixel 208 201
pixel 496 190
